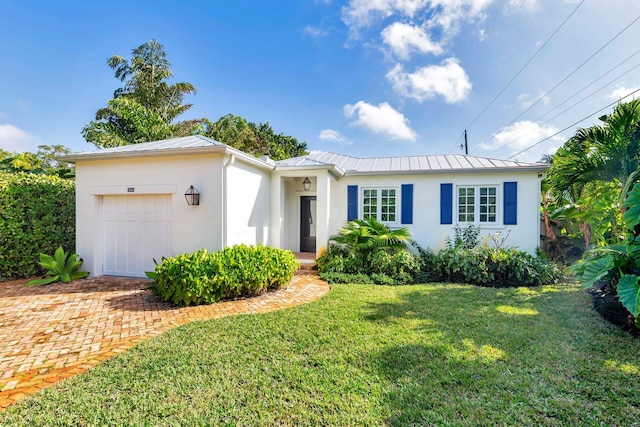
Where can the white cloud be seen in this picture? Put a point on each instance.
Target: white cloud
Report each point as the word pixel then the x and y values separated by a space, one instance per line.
pixel 405 38
pixel 331 135
pixel 448 80
pixel 520 135
pixel 382 119
pixel 447 14
pixel 315 32
pixel 520 5
pixel 13 138
pixel 622 92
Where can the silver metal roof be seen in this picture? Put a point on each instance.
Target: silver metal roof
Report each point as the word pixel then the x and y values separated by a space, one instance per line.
pixel 423 163
pixel 195 141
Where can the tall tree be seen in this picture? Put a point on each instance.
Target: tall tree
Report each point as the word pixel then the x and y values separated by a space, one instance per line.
pixel 255 139
pixel 146 107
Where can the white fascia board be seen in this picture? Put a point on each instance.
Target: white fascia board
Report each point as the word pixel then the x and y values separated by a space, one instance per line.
pixel 296 170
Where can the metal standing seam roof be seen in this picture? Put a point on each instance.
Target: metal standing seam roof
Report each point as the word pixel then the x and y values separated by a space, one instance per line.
pixel 195 141
pixel 345 164
pixel 422 163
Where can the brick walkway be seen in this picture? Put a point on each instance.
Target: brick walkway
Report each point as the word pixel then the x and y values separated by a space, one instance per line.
pixel 49 333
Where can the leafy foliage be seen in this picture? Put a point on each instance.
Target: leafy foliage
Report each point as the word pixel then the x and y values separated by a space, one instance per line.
pixel 363 237
pixel 37 214
pixel 592 173
pixel 60 268
pixel 44 162
pixel 371 252
pixel 252 138
pixel 146 108
pixel 617 266
pixel 238 271
pixel 464 237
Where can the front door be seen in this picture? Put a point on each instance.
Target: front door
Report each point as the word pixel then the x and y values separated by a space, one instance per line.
pixel 307 223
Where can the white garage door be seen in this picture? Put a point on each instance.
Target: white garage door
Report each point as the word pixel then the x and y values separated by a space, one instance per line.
pixel 137 229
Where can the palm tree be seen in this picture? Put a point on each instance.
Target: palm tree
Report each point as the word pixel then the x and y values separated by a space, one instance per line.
pixel 607 153
pixel 366 236
pixel 146 107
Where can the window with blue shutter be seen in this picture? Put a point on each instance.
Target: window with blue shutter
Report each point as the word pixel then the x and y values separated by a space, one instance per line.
pixel 446 203
pixel 352 202
pixel 407 203
pixel 510 190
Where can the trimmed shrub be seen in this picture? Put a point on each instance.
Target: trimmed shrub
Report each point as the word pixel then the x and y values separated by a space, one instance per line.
pixel 37 215
pixel 339 265
pixel 489 267
pixel 238 271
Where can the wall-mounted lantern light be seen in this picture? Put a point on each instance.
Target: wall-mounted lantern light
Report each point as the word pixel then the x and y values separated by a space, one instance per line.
pixel 306 184
pixel 193 196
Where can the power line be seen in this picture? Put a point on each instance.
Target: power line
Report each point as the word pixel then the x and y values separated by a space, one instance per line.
pixel 566 78
pixel 571 125
pixel 524 66
pixel 515 137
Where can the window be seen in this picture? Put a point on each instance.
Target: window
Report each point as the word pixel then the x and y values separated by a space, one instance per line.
pixel 478 204
pixel 380 204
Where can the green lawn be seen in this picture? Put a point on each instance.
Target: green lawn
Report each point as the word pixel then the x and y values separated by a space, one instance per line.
pixel 369 355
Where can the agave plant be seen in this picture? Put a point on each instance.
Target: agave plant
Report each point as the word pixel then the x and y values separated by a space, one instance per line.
pixel 618 264
pixel 60 268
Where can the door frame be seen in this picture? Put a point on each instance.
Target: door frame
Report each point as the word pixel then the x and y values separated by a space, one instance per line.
pixel 300 223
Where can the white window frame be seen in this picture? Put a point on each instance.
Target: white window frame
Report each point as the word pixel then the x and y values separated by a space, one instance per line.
pixel 379 190
pixel 477 205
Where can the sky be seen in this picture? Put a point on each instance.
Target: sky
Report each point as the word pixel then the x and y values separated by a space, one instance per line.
pixel 358 77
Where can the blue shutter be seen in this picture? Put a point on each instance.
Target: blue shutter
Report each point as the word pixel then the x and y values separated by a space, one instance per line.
pixel 352 202
pixel 407 204
pixel 446 203
pixel 510 203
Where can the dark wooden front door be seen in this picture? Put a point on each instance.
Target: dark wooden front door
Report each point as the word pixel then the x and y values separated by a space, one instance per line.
pixel 307 223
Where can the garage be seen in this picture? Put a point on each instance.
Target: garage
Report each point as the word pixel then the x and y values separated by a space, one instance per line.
pixel 136 230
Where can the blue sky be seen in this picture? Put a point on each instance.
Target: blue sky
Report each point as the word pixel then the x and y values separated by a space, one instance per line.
pixel 359 77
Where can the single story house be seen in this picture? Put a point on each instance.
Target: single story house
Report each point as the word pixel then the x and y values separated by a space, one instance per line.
pixel 131 203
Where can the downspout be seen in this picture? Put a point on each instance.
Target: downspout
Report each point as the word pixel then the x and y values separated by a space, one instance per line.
pixel 541 176
pixel 231 160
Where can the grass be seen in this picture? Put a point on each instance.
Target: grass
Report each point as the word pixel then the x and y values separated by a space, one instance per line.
pixel 369 355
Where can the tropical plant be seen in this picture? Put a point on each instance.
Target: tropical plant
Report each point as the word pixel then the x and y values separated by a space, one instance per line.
pixel 60 268
pixel 597 160
pixel 146 107
pixel 616 268
pixel 365 236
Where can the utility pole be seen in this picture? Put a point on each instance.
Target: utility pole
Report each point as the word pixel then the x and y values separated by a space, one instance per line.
pixel 466 146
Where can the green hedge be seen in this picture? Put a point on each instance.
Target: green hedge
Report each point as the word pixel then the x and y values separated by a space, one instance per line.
pixel 37 215
pixel 238 271
pixel 489 267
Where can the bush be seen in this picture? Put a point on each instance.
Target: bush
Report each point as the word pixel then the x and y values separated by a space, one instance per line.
pixel 37 215
pixel 346 278
pixel 238 271
pixel 489 267
pixel 381 266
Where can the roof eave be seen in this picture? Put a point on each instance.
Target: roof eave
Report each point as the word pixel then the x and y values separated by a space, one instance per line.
pixel 445 171
pixel 74 158
pixel 333 169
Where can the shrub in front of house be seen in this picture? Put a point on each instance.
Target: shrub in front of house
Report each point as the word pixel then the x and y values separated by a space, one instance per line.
pixel 37 215
pixel 367 251
pixel 484 266
pixel 202 277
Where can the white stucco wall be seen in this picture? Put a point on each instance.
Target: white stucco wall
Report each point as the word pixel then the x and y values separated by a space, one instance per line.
pixel 247 204
pixel 193 227
pixel 426 227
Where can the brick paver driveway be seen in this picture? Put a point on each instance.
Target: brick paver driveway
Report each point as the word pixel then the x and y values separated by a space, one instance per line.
pixel 52 332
